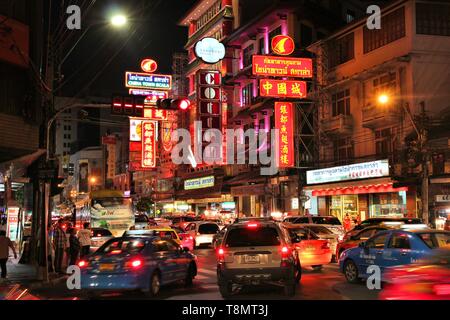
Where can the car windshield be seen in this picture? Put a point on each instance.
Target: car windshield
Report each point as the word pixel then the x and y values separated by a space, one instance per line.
pixel 298 220
pixel 320 230
pixel 111 203
pixel 326 220
pixel 100 233
pixel 259 237
pixel 122 246
pixel 208 228
pixel 436 240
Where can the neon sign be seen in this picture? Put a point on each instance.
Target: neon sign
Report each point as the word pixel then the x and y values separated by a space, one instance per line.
pixel 282 66
pixel 283 45
pixel 282 88
pixel 284 121
pixel 148 144
pixel 149 65
pixel 148 81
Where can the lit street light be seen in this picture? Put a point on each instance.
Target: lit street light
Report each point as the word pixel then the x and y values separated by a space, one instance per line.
pixel 118 20
pixel 383 98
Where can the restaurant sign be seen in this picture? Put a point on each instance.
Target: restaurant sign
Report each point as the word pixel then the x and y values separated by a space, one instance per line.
pixel 284 121
pixel 199 183
pixel 148 81
pixel 373 169
pixel 282 66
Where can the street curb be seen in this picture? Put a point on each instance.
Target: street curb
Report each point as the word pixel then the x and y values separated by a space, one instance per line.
pixel 52 282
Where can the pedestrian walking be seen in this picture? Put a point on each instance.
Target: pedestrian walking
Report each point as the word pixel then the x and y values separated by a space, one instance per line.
pixel 347 223
pixel 59 245
pixel 74 248
pixel 5 245
pixel 84 235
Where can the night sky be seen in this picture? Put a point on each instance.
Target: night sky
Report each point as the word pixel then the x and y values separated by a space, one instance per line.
pixel 153 33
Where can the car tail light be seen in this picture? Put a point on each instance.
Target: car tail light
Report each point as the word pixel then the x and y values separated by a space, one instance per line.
pixel 221 254
pixel 326 245
pixel 285 252
pixel 191 238
pixel 82 264
pixel 134 263
pixel 442 289
pixel 252 225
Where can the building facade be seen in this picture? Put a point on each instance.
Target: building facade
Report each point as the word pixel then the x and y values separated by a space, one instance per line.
pixel 377 93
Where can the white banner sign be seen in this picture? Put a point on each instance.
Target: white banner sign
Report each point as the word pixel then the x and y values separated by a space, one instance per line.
pixel 364 170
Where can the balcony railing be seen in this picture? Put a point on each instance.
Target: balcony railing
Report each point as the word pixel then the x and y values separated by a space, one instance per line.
pixel 341 124
pixel 374 116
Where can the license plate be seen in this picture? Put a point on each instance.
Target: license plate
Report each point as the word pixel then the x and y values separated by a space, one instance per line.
pixel 107 267
pixel 251 259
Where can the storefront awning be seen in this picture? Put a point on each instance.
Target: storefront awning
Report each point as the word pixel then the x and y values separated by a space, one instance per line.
pixel 361 189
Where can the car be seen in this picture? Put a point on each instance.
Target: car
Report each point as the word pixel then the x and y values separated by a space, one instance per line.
pixel 253 253
pixel 141 221
pixel 312 250
pixel 447 225
pixel 98 237
pixel 391 248
pixel 162 232
pixel 330 222
pixel 202 232
pixel 426 280
pixel 244 219
pixel 136 263
pixel 357 238
pixel 181 221
pixel 381 220
pixel 324 233
pixel 187 241
pixel 218 237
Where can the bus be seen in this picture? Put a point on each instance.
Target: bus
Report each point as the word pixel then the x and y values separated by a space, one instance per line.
pixel 111 210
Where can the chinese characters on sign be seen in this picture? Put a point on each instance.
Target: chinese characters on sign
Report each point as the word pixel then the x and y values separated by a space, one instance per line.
pixel 284 121
pixel 282 66
pixel 282 88
pixel 155 114
pixel 148 81
pixel 148 144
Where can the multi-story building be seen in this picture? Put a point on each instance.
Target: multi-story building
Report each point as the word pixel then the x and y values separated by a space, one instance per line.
pixel 246 28
pixel 377 91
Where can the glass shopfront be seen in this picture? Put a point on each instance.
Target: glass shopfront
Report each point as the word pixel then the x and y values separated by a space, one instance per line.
pixel 343 205
pixel 388 204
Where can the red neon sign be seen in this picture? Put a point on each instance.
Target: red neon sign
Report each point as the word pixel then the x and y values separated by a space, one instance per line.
pixel 282 66
pixel 283 45
pixel 155 114
pixel 149 65
pixel 282 88
pixel 148 144
pixel 284 121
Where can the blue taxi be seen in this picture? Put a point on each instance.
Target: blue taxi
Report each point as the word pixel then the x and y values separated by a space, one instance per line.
pixel 391 248
pixel 136 263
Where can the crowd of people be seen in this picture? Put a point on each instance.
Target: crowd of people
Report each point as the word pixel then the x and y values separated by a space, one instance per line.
pixel 66 245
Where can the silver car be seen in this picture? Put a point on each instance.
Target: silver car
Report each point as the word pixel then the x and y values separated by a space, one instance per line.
pixel 203 232
pixel 98 237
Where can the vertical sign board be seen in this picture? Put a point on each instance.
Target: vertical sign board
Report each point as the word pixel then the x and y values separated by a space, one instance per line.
pixel 12 223
pixel 148 144
pixel 284 121
pixel 209 99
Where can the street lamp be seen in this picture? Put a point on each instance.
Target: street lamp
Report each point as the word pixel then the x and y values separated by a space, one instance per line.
pixel 383 99
pixel 93 180
pixel 119 20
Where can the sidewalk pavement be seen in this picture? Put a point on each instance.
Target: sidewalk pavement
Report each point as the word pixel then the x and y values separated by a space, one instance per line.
pixel 25 275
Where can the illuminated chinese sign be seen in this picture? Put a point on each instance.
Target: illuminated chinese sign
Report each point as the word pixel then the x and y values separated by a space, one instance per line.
pixel 284 121
pixel 148 81
pixel 155 114
pixel 282 88
pixel 282 66
pixel 149 65
pixel 148 144
pixel 283 45
pixel 151 96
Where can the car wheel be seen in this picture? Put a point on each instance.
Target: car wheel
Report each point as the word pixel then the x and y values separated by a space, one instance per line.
pixel 298 272
pixel 155 285
pixel 225 289
pixel 351 271
pixel 190 275
pixel 317 268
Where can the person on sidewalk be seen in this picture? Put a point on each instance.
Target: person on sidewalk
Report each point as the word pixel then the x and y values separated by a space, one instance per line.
pixel 59 244
pixel 74 248
pixel 5 244
pixel 84 235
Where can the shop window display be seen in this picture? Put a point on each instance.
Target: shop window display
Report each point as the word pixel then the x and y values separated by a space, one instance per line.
pixel 388 204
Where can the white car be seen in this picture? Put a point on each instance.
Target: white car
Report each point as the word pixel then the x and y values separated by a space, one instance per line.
pixel 330 222
pixel 203 232
pixel 98 237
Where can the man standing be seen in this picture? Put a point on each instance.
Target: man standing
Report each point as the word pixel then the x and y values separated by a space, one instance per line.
pixel 59 244
pixel 84 236
pixel 5 244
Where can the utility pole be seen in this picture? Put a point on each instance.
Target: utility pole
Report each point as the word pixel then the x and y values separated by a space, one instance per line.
pixel 425 161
